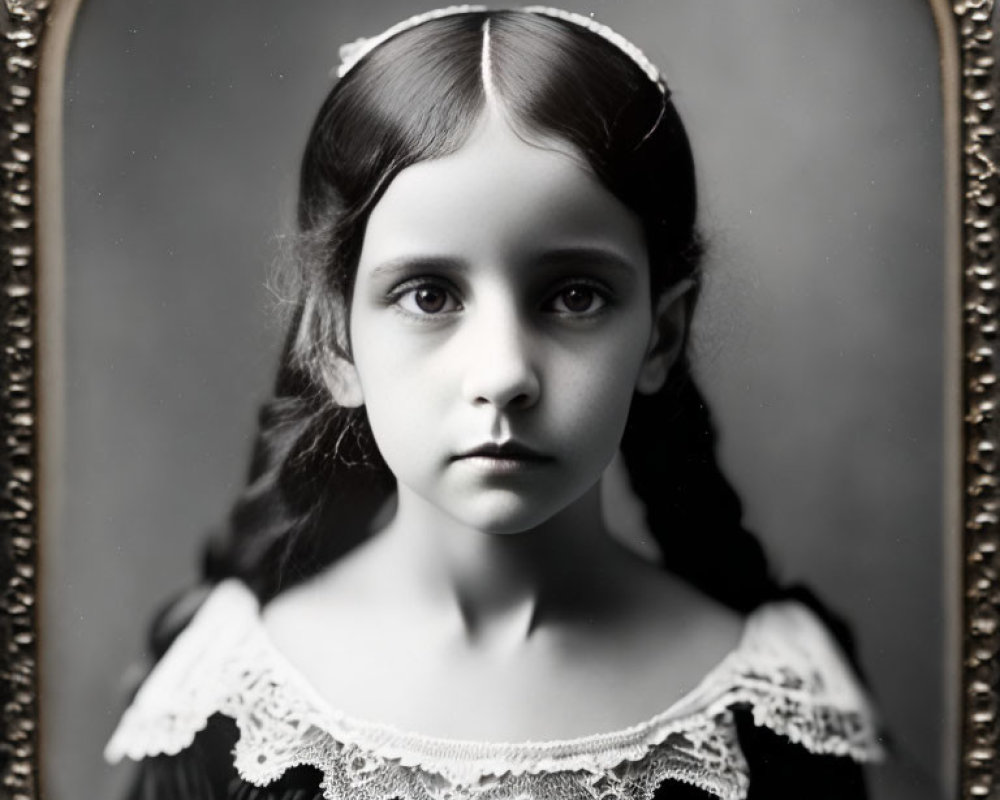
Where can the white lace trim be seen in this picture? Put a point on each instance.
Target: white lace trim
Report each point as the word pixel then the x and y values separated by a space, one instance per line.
pixel 786 668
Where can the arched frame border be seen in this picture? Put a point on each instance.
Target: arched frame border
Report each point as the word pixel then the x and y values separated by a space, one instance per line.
pixel 34 37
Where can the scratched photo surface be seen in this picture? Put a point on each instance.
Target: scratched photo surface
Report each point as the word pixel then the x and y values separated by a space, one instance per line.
pixel 817 134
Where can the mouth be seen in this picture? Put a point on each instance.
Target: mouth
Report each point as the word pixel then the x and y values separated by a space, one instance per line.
pixel 507 452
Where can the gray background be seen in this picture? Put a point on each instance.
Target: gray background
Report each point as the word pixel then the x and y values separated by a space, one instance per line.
pixel 817 129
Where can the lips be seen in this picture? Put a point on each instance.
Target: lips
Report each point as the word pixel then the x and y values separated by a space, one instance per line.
pixel 505 452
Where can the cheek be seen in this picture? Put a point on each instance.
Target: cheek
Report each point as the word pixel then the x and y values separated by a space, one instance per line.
pixel 595 388
pixel 395 370
pixel 400 394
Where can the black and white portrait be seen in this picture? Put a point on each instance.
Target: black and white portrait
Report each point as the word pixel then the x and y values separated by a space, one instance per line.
pixel 500 403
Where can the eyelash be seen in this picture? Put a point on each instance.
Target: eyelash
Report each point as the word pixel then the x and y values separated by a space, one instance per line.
pixel 598 290
pixel 407 291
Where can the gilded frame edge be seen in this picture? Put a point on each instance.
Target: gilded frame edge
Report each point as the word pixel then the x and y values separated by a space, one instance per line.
pixel 34 38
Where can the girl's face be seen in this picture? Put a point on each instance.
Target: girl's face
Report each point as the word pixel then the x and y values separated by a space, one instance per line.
pixel 500 323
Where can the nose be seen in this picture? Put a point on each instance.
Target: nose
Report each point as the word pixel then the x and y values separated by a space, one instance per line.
pixel 501 371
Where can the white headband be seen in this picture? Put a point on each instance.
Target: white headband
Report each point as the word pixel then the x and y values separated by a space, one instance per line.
pixel 351 54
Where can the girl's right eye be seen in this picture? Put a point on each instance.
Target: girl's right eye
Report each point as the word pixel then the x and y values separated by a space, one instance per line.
pixel 425 299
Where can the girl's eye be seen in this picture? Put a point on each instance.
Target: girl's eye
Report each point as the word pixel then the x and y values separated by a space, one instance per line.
pixel 425 299
pixel 578 299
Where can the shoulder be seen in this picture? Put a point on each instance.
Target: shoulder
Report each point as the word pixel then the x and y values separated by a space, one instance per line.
pixel 789 637
pixel 791 674
pixel 788 708
pixel 217 705
pixel 191 680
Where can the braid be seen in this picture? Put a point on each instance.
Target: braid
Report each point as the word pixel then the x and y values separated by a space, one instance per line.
pixel 692 511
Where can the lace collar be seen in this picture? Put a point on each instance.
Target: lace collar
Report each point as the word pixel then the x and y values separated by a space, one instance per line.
pixel 786 669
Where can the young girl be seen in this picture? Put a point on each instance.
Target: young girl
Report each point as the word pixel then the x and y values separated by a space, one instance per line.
pixel 418 595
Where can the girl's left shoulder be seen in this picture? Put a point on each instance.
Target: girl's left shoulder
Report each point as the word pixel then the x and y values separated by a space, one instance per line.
pixel 787 663
pixel 801 714
pixel 784 711
pixel 792 675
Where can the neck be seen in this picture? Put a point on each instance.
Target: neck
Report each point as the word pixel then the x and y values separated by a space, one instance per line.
pixel 502 587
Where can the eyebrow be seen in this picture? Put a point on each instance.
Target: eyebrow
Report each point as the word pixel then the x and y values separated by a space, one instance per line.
pixel 400 264
pixel 592 255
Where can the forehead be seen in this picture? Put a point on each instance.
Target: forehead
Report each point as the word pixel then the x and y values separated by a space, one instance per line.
pixel 499 195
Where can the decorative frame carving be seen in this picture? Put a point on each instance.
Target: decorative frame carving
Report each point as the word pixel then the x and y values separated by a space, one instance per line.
pixel 22 25
pixel 980 766
pixel 967 30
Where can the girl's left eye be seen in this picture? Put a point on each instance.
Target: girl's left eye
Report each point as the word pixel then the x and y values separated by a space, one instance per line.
pixel 578 299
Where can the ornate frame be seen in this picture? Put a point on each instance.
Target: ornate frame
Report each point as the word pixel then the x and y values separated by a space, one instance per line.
pixel 29 189
pixel 976 136
pixel 22 26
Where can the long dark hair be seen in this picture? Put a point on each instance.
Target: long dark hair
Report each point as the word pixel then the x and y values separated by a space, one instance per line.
pixel 316 477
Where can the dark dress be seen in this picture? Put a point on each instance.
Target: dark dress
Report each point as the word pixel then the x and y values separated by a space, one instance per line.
pixel 223 717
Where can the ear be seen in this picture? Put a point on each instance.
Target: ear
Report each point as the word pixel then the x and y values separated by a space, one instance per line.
pixel 337 371
pixel 342 382
pixel 670 320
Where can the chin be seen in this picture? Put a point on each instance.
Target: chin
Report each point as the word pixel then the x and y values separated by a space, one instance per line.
pixel 509 517
pixel 506 527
